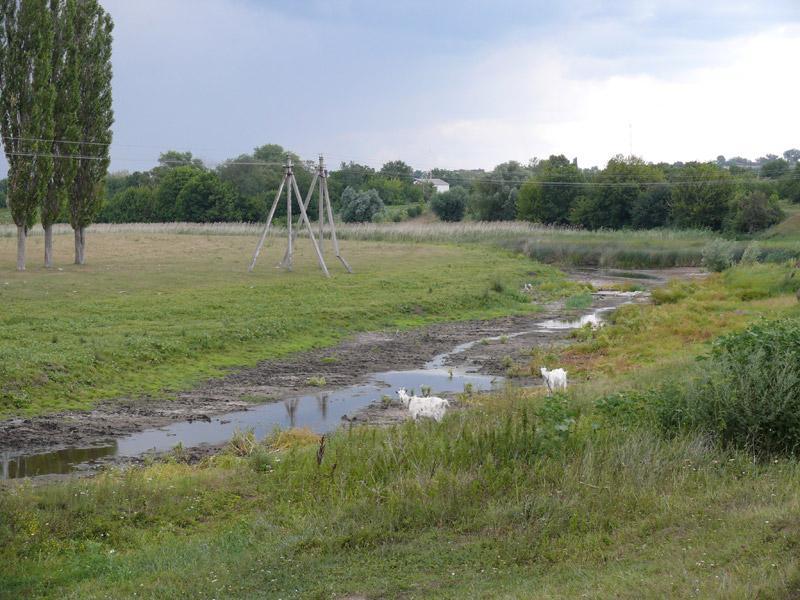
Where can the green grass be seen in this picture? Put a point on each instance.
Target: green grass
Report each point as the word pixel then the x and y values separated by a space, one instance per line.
pixel 520 496
pixel 150 313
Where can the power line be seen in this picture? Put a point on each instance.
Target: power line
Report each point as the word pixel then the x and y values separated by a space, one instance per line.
pixel 794 175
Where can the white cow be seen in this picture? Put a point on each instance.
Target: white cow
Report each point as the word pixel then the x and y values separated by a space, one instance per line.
pixel 418 406
pixel 555 379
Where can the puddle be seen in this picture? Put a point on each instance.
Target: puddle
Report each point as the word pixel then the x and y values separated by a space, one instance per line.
pixel 320 412
pixel 595 319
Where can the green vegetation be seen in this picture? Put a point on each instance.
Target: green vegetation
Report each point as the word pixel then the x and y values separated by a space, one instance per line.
pixel 521 495
pixel 450 205
pixel 160 311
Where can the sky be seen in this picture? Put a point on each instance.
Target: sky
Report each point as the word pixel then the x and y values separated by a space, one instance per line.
pixel 455 84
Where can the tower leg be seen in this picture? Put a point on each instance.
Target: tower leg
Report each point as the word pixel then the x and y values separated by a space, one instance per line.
pixel 266 227
pixel 333 227
pixel 311 233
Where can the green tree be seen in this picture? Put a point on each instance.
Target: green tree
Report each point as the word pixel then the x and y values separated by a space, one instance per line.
pixel 652 207
pixel 755 211
pixel 494 196
pixel 132 205
pixel 450 205
pixel 93 31
pixel 169 188
pixel 27 97
pixel 775 168
pixel 616 189
pixel 3 189
pixel 206 199
pixel 65 69
pixel 789 185
pixel 397 169
pixel 360 207
pixel 551 194
pixel 701 196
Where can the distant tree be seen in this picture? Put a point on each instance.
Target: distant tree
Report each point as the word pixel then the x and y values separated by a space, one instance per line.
pixel 450 205
pixel 652 208
pixel 550 195
pixel 494 196
pixel 132 205
pixel 617 188
pixel 27 98
pixel 206 199
pixel 169 188
pixel 754 211
pixel 174 158
pixel 701 196
pixel 65 75
pixel 257 176
pixel 792 156
pixel 789 185
pixel 360 207
pixel 122 180
pixel 775 168
pixel 3 190
pixel 397 169
pixel 395 191
pixel 95 117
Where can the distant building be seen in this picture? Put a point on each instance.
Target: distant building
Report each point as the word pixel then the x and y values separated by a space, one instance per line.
pixel 439 184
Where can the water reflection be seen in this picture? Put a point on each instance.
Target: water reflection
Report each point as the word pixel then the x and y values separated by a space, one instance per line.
pixel 59 462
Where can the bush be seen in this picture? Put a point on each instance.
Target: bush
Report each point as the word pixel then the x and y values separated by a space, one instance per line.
pixel 360 207
pixel 751 254
pixel 718 255
pixel 747 393
pixel 450 206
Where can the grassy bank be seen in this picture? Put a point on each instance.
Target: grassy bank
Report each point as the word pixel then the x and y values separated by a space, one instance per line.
pixel 522 496
pixel 152 312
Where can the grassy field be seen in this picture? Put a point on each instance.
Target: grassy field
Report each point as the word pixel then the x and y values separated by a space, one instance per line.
pixel 522 496
pixel 153 312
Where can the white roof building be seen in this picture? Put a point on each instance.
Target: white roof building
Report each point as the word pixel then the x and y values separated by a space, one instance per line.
pixel 440 184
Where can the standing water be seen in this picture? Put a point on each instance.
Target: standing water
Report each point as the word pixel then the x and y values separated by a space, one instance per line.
pixel 320 412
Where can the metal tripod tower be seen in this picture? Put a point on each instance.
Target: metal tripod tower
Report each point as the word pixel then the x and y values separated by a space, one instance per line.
pixel 325 210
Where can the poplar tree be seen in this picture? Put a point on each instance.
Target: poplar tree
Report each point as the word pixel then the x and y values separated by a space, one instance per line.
pixel 93 28
pixel 64 149
pixel 27 97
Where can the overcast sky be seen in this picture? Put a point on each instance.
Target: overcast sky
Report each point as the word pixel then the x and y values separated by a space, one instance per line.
pixel 455 84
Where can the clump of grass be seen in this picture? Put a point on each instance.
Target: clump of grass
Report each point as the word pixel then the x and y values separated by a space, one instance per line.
pixel 242 443
pixel 578 301
pixel 316 381
pixel 298 437
pixel 675 291
pixel 328 360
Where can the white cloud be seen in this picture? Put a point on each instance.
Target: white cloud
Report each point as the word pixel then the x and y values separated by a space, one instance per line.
pixel 525 100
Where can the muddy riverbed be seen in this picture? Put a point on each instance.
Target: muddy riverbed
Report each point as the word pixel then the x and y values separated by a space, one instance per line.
pixel 320 389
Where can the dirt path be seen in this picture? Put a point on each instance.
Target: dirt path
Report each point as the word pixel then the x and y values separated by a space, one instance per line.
pixel 342 365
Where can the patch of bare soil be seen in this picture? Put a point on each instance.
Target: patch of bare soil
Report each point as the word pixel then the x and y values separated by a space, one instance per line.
pixel 345 364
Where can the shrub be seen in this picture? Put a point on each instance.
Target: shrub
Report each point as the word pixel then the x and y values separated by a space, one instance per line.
pixel 747 393
pixel 718 255
pixel 751 254
pixel 450 206
pixel 360 207
pixel 755 211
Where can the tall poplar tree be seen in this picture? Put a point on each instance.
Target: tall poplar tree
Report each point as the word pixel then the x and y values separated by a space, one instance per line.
pixel 65 70
pixel 93 28
pixel 27 97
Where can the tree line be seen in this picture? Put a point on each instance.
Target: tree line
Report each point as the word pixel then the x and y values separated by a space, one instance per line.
pixel 182 188
pixel 55 114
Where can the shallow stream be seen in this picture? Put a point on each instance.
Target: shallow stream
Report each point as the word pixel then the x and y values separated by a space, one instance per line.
pixel 321 412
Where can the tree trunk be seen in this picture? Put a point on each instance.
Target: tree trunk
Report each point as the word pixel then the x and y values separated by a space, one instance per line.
pixel 80 245
pixel 48 246
pixel 22 234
